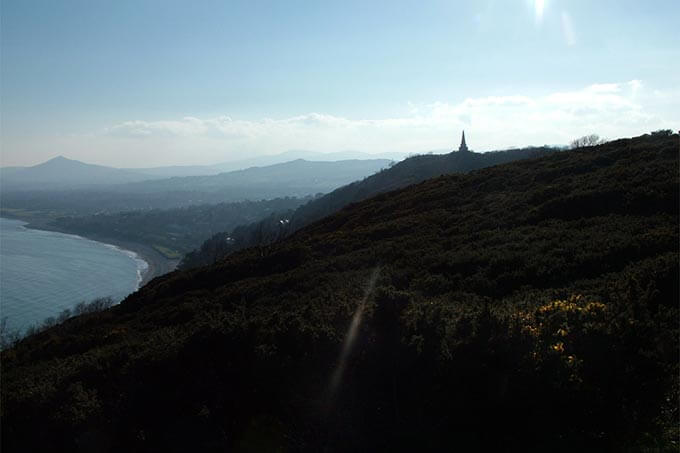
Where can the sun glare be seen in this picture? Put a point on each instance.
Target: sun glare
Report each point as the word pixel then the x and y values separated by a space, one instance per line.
pixel 539 5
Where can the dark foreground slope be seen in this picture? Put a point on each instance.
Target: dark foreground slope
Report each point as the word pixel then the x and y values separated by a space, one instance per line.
pixel 409 171
pixel 527 307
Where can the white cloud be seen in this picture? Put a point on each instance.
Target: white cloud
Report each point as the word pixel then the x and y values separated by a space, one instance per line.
pixel 493 122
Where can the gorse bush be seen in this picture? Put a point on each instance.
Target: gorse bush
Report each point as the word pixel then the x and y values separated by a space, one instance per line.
pixel 9 338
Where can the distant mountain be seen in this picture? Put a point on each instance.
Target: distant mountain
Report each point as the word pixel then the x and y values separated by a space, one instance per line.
pixel 78 195
pixel 527 307
pixel 61 172
pixel 261 161
pixel 295 178
pixel 8 171
pixel 177 170
pixel 409 171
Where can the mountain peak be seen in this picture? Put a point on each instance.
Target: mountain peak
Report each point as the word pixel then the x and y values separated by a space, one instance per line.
pixel 59 158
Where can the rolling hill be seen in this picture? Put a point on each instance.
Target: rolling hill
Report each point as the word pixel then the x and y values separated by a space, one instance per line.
pixel 293 178
pixel 530 306
pixel 63 173
pixel 297 178
pixel 409 171
pixel 262 161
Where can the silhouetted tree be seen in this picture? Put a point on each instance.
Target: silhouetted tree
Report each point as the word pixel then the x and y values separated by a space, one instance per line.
pixel 662 133
pixel 587 140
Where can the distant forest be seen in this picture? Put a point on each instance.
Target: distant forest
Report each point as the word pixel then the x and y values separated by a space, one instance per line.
pixel 174 232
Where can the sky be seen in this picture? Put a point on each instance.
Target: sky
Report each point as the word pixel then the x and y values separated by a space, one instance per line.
pixel 148 83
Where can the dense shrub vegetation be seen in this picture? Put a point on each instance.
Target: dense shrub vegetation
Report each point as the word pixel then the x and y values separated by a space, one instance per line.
pixel 531 306
pixel 9 337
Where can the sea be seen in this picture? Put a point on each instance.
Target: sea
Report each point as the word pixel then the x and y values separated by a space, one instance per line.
pixel 45 272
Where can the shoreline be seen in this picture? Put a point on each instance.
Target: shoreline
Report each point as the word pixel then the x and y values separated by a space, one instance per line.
pixel 156 264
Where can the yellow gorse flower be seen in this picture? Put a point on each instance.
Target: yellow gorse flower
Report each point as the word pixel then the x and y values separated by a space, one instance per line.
pixel 558 347
pixel 551 326
pixel 572 305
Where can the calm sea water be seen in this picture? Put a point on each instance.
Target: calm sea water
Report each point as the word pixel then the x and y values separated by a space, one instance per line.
pixel 43 272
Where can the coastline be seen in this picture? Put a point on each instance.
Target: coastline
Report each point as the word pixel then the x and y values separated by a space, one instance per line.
pixel 156 264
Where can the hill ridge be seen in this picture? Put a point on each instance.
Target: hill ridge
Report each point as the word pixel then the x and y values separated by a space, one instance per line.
pixel 412 170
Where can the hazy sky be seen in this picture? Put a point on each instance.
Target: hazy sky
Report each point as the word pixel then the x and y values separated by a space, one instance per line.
pixel 142 83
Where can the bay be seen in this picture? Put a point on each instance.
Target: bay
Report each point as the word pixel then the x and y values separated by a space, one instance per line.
pixel 45 272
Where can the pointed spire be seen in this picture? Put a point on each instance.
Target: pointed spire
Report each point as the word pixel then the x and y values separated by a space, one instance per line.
pixel 463 147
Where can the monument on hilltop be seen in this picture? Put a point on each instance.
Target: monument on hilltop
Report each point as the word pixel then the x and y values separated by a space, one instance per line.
pixel 463 147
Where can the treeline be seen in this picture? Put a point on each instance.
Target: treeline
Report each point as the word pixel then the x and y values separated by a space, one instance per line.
pixel 410 171
pixel 10 337
pixel 175 231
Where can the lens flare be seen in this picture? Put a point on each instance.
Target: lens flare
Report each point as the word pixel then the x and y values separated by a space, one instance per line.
pixel 351 335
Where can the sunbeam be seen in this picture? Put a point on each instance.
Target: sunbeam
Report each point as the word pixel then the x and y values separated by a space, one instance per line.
pixel 351 335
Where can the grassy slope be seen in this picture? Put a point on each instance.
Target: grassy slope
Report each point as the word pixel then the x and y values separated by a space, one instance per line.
pixel 459 343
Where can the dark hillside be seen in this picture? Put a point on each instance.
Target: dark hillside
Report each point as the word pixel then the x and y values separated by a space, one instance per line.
pixel 531 306
pixel 410 171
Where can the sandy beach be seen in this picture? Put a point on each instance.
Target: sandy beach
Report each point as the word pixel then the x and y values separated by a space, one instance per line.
pixel 157 264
